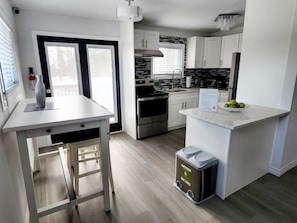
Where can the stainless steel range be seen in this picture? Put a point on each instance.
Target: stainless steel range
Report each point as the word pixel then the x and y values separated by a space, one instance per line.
pixel 152 109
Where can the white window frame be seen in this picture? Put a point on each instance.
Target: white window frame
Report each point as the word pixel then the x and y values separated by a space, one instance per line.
pixel 115 118
pixel 75 46
pixel 176 74
pixel 7 42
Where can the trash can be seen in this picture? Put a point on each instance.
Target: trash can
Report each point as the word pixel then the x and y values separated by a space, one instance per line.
pixel 196 174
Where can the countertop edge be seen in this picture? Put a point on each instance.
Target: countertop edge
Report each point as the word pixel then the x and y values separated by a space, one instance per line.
pixel 278 113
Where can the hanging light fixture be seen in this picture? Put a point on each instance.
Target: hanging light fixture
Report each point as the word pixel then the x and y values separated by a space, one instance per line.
pixel 129 13
pixel 225 21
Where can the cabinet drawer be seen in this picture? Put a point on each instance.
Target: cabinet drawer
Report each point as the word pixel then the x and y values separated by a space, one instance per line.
pixel 62 128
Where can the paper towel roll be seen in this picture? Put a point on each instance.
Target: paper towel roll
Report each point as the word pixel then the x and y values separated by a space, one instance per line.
pixel 188 81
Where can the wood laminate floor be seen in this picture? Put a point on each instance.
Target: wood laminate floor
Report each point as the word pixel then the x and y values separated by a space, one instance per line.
pixel 144 172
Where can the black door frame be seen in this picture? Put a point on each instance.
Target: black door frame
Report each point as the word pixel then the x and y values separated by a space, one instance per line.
pixel 82 46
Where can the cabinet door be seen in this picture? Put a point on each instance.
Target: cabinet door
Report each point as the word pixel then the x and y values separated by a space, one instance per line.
pixel 195 52
pixel 212 52
pixel 151 40
pixel 223 96
pixel 230 44
pixel 138 39
pixel 191 100
pixel 174 117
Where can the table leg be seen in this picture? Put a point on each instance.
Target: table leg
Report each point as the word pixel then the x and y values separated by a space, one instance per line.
pixel 104 138
pixel 27 175
pixel 36 153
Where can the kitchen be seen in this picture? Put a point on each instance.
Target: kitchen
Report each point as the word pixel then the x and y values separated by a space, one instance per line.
pixel 269 67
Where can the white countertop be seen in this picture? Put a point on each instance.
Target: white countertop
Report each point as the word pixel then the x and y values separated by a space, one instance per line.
pixel 67 110
pixel 232 120
pixel 190 90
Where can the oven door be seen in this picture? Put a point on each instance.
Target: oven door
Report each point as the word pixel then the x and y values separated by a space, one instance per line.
pixel 152 109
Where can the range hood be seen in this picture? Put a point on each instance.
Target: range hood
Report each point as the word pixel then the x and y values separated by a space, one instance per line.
pixel 148 53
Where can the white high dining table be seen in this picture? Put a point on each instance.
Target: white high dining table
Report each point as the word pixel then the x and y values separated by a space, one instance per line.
pixel 62 114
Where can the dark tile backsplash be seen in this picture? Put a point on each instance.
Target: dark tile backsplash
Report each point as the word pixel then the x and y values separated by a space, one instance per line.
pixel 215 78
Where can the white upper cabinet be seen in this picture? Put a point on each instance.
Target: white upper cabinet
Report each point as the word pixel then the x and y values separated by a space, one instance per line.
pixel 203 52
pixel 144 39
pixel 195 52
pixel 230 44
pixel 212 52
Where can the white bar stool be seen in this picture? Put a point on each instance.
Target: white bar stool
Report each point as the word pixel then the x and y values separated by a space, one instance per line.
pixel 78 153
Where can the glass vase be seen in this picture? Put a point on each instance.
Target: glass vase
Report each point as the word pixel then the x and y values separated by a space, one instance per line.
pixel 40 91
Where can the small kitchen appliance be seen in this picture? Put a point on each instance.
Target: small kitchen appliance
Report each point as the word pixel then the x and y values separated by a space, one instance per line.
pixel 196 173
pixel 188 81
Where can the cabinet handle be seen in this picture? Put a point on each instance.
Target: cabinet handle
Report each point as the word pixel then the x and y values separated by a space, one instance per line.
pixel 143 43
pixel 204 63
pixel 185 104
pixel 221 63
pixel 146 44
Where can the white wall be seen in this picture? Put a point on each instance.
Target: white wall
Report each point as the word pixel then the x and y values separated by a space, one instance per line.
pixel 128 78
pixel 28 21
pixel 13 203
pixel 268 69
pixel 290 152
pixel 265 48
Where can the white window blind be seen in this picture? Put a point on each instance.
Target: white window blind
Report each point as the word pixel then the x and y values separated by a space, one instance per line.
pixel 173 59
pixel 7 58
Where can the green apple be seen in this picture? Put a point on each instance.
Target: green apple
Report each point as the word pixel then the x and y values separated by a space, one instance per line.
pixel 233 102
pixel 242 105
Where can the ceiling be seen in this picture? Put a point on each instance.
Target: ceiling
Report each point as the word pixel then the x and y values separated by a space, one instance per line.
pixel 194 15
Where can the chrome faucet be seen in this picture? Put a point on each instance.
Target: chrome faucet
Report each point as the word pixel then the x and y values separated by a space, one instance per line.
pixel 181 75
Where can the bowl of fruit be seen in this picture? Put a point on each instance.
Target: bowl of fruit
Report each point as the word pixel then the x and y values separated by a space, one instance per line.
pixel 232 106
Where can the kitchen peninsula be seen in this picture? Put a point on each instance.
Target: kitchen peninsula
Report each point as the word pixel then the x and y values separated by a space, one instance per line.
pixel 242 141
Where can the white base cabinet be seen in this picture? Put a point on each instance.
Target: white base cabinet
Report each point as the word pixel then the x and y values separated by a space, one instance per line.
pixel 177 102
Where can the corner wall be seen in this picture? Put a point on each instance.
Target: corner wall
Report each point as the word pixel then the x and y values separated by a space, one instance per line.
pixel 28 21
pixel 13 203
pixel 128 78
pixel 268 70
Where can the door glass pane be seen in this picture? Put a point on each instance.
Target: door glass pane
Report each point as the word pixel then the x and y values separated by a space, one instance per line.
pixel 63 69
pixel 101 67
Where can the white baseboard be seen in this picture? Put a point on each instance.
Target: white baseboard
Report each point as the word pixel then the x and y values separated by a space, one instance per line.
pixel 278 172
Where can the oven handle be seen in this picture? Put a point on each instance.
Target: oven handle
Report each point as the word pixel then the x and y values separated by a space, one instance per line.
pixel 152 98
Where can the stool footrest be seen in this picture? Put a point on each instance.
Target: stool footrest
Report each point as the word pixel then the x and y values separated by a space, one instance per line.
pixel 89 159
pixel 89 173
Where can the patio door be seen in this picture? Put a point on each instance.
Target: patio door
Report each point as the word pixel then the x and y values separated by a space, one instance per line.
pixel 73 66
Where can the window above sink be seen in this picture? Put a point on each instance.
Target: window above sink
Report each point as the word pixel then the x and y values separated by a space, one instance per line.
pixel 173 59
